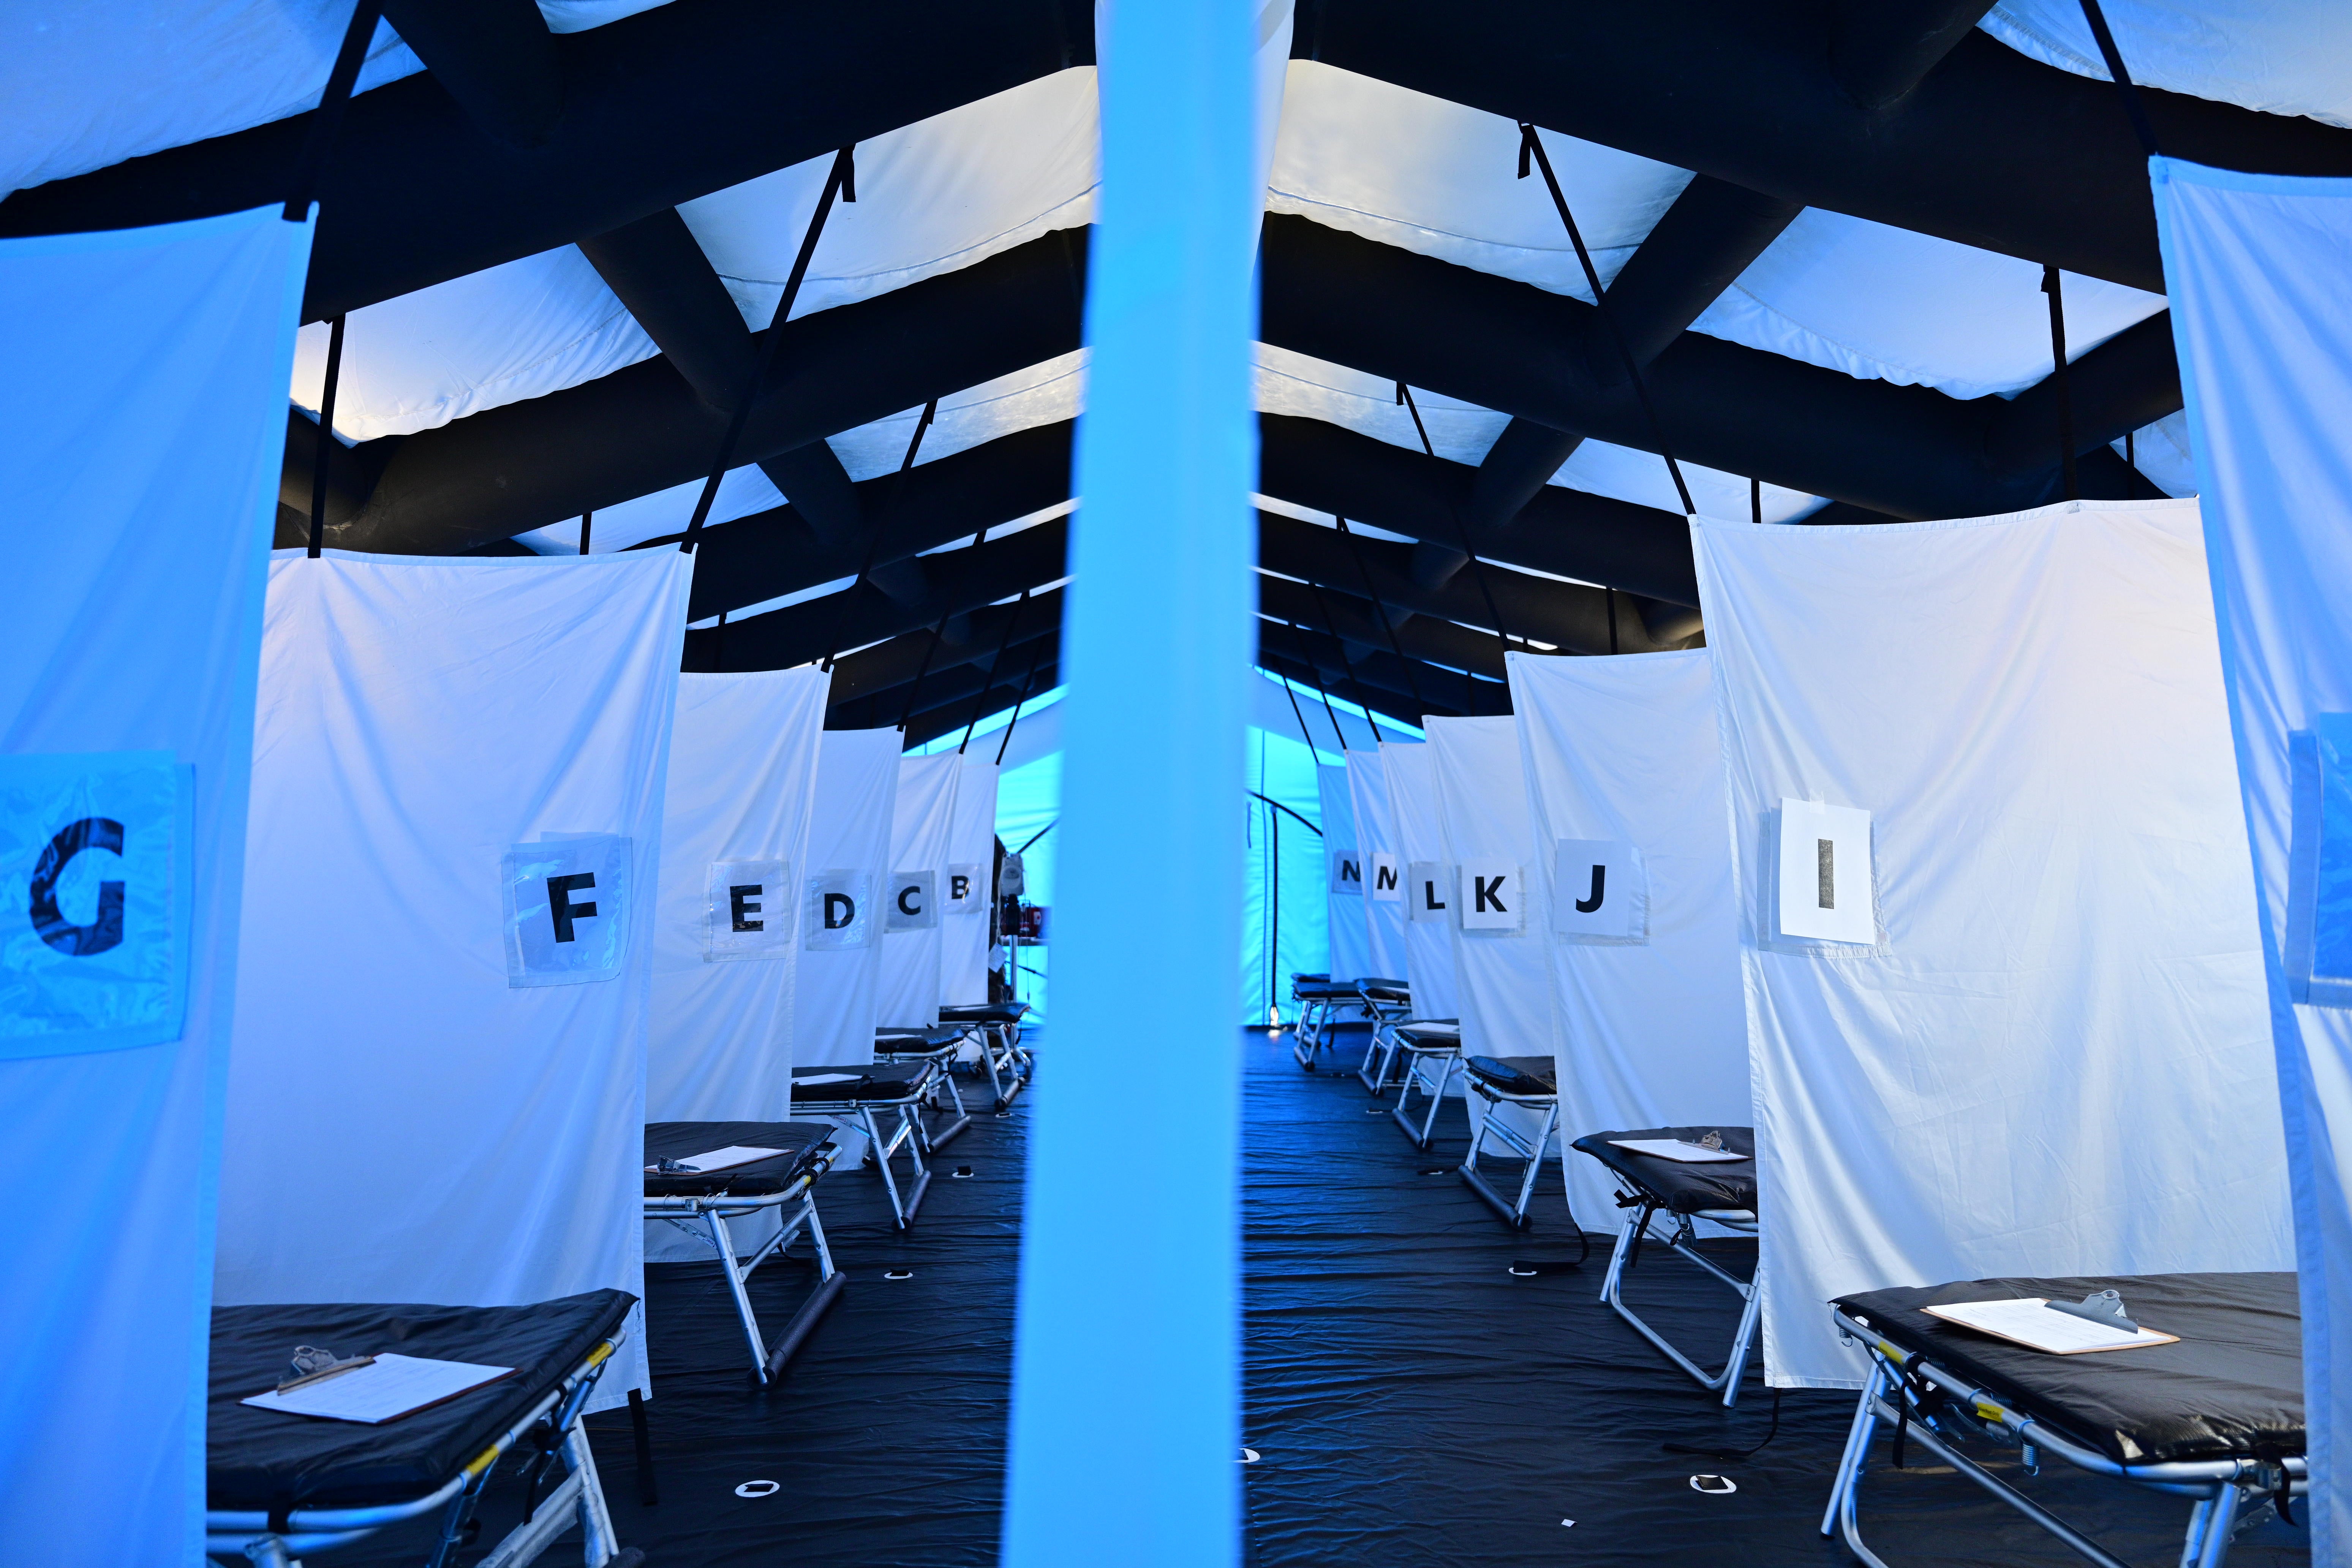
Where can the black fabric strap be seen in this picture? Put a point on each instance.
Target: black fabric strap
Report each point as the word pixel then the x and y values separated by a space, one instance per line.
pixel 2053 285
pixel 989 685
pixel 319 141
pixel 2133 109
pixel 1347 665
pixel 875 529
pixel 323 450
pixel 1379 611
pixel 1010 723
pixel 1461 529
pixel 586 520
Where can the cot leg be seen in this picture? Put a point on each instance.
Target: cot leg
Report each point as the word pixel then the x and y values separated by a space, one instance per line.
pixel 2219 1524
pixel 1535 1164
pixel 1445 1065
pixel 726 1246
pixel 882 1163
pixel 1611 1283
pixel 1740 1341
pixel 1857 1453
pixel 599 1542
pixel 917 1148
pixel 2192 1548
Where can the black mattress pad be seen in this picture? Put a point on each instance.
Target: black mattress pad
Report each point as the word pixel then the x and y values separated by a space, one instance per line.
pixel 1515 1075
pixel 257 1459
pixel 802 1143
pixel 879 1082
pixel 985 1012
pixel 1386 991
pixel 938 1037
pixel 1431 1032
pixel 1676 1187
pixel 2233 1387
pixel 1325 991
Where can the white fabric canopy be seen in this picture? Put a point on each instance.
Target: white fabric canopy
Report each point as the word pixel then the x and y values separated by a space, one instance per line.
pixel 838 988
pixel 1623 751
pixel 1504 996
pixel 2053 1058
pixel 1368 793
pixel 912 905
pixel 2264 323
pixel 1350 951
pixel 142 380
pixel 972 853
pixel 742 779
pixel 415 1113
pixel 1422 863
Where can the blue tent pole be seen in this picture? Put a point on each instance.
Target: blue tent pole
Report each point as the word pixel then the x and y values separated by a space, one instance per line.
pixel 1126 1406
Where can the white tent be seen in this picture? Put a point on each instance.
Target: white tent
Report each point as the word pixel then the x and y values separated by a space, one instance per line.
pixel 913 901
pixel 1376 841
pixel 838 989
pixel 1426 875
pixel 966 917
pixel 1343 877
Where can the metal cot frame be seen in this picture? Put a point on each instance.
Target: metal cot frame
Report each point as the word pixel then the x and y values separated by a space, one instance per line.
pixel 1003 1052
pixel 908 1135
pixel 2221 1487
pixel 1320 1013
pixel 714 1210
pixel 897 1046
pixel 1417 1043
pixel 245 1536
pixel 1514 1213
pixel 1387 1004
pixel 1682 1239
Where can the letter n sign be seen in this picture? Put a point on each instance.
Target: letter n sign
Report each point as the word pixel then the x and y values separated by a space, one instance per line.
pixel 567 909
pixel 749 913
pixel 1346 872
pixel 1599 891
pixel 96 897
pixel 1490 895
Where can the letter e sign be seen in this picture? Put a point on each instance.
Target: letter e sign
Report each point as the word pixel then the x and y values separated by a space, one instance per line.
pixel 748 913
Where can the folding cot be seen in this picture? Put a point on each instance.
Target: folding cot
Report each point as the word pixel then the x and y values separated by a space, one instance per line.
pixel 1386 1002
pixel 784 1185
pixel 940 1044
pixel 2216 1417
pixel 1320 1001
pixel 1527 1081
pixel 863 1096
pixel 1722 1192
pixel 1003 1052
pixel 1417 1044
pixel 280 1487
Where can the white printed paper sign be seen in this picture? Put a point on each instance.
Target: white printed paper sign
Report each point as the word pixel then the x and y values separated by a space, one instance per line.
pixel 1429 890
pixel 1491 896
pixel 567 909
pixel 1387 877
pixel 95 898
pixel 1346 873
pixel 750 913
pixel 967 891
pixel 1825 889
pixel 833 912
pixel 1600 892
pixel 914 901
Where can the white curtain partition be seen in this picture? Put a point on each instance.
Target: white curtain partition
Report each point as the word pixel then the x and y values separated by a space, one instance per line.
pixel 965 885
pixel 837 988
pixel 1624 772
pixel 1504 995
pixel 735 827
pixel 1425 875
pixel 143 383
pixel 1376 842
pixel 2004 996
pixel 913 901
pixel 439 1079
pixel 1343 870
pixel 2259 270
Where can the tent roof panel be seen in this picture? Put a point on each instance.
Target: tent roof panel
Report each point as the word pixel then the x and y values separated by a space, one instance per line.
pixel 2281 56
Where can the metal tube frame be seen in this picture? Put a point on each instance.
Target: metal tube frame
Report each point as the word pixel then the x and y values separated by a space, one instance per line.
pixel 1682 1239
pixel 245 1535
pixel 1317 1017
pixel 909 1135
pixel 1417 1059
pixel 1513 1213
pixel 715 1210
pixel 943 1058
pixel 2221 1487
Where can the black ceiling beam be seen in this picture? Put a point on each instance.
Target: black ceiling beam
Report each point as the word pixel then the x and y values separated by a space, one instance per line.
pixel 529 464
pixel 889 666
pixel 1276 658
pixel 2130 381
pixel 659 108
pixel 1424 638
pixel 1385 684
pixel 1991 149
pixel 772 553
pixel 1881 49
pixel 496 57
pixel 1908 451
pixel 949 718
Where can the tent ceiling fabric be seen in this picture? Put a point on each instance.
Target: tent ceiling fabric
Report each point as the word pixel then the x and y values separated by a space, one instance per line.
pixel 1823 227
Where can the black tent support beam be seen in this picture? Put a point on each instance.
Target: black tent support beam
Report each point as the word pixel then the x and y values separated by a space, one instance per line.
pixel 495 57
pixel 949 718
pixel 1428 640
pixel 529 464
pixel 890 667
pixel 1881 49
pixel 659 108
pixel 1276 657
pixel 1990 149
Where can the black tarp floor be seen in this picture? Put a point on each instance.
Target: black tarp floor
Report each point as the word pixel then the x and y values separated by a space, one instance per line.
pixel 1411 1401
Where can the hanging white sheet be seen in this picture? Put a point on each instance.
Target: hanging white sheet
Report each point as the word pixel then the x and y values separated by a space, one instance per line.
pixel 1505 996
pixel 1376 840
pixel 743 778
pixel 965 883
pixel 143 387
pixel 415 1113
pixel 912 901
pixel 2261 300
pixel 1624 773
pixel 1343 877
pixel 838 986
pixel 2054 1059
pixel 1426 875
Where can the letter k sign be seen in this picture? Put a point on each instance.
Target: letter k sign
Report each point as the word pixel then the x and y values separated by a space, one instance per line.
pixel 1490 895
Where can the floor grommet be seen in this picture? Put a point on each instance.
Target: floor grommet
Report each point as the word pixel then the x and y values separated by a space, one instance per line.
pixel 759 1488
pixel 1714 1486
pixel 1249 1456
pixel 897 1274
pixel 960 1173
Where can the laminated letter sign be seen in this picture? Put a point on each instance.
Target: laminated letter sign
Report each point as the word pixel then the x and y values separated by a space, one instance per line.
pixel 1429 890
pixel 94 901
pixel 1385 879
pixel 1600 893
pixel 835 915
pixel 1490 895
pixel 751 911
pixel 914 901
pixel 1825 886
pixel 567 902
pixel 1346 872
pixel 967 890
